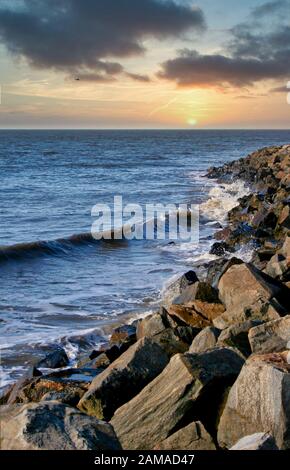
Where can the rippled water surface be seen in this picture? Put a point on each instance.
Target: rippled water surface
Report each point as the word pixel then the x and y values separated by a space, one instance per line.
pixel 50 181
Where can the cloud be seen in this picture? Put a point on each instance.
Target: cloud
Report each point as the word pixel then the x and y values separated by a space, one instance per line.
pixel 254 52
pixel 72 35
pixel 139 77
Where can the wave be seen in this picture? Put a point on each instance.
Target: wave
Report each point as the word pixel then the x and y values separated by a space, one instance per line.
pixel 222 198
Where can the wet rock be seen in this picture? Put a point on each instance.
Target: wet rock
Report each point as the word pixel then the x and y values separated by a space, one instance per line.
pixel 236 336
pixel 206 339
pixel 198 291
pixel 258 441
pixel 220 248
pixel 66 383
pixel 22 382
pixel 259 401
pixel 176 287
pixel 53 426
pixel 54 360
pixel 270 337
pixel 5 394
pixel 124 378
pixel 123 335
pixel 191 437
pixel 190 387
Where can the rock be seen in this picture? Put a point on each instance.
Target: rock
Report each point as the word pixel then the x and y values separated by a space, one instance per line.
pixel 217 268
pixel 236 336
pixel 191 437
pixel 124 335
pixel 277 266
pixel 219 248
pixel 285 250
pixel 259 401
pixel 284 218
pixel 191 386
pixel 53 426
pixel 22 382
pixel 248 293
pixel 201 291
pixel 176 287
pixel 198 319
pixel 68 384
pixel 5 394
pixel 54 360
pixel 258 441
pixel 205 340
pixel 152 325
pixel 273 336
pixel 124 378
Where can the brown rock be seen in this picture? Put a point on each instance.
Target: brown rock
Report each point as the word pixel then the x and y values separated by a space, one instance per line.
pixel 273 336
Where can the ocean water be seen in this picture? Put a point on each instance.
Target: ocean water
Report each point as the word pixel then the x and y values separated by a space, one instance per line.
pixel 73 293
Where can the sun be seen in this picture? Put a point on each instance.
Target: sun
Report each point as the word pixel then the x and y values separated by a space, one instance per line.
pixel 192 122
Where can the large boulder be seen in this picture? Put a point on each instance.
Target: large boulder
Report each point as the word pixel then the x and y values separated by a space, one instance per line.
pixel 206 339
pixel 191 437
pixel 259 401
pixel 257 441
pixel 191 386
pixel 53 426
pixel 202 291
pixel 124 378
pixel 273 336
pixel 248 293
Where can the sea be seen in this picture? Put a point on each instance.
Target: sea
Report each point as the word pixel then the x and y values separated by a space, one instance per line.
pixel 58 286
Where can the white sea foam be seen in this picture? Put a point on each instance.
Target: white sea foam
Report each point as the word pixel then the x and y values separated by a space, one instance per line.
pixel 223 198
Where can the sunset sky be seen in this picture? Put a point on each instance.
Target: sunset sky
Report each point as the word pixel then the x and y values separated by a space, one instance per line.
pixel 144 64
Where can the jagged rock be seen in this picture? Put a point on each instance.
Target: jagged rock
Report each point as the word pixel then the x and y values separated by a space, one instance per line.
pixel 53 426
pixel 236 336
pixel 248 293
pixel 270 337
pixel 277 266
pixel 199 291
pixel 152 325
pixel 124 378
pixel 176 287
pixel 220 248
pixel 22 382
pixel 206 339
pixel 258 441
pixel 259 401
pixel 284 218
pixel 124 335
pixel 54 360
pixel 217 268
pixel 192 385
pixel 197 315
pixel 5 394
pixel 191 437
pixel 68 383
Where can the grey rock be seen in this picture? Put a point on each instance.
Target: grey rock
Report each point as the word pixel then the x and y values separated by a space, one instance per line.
pixel 236 336
pixel 124 378
pixel 54 360
pixel 53 426
pixel 191 437
pixel 259 401
pixel 273 336
pixel 191 385
pixel 206 339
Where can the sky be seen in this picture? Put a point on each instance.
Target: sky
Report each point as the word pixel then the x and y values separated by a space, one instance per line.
pixel 146 64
